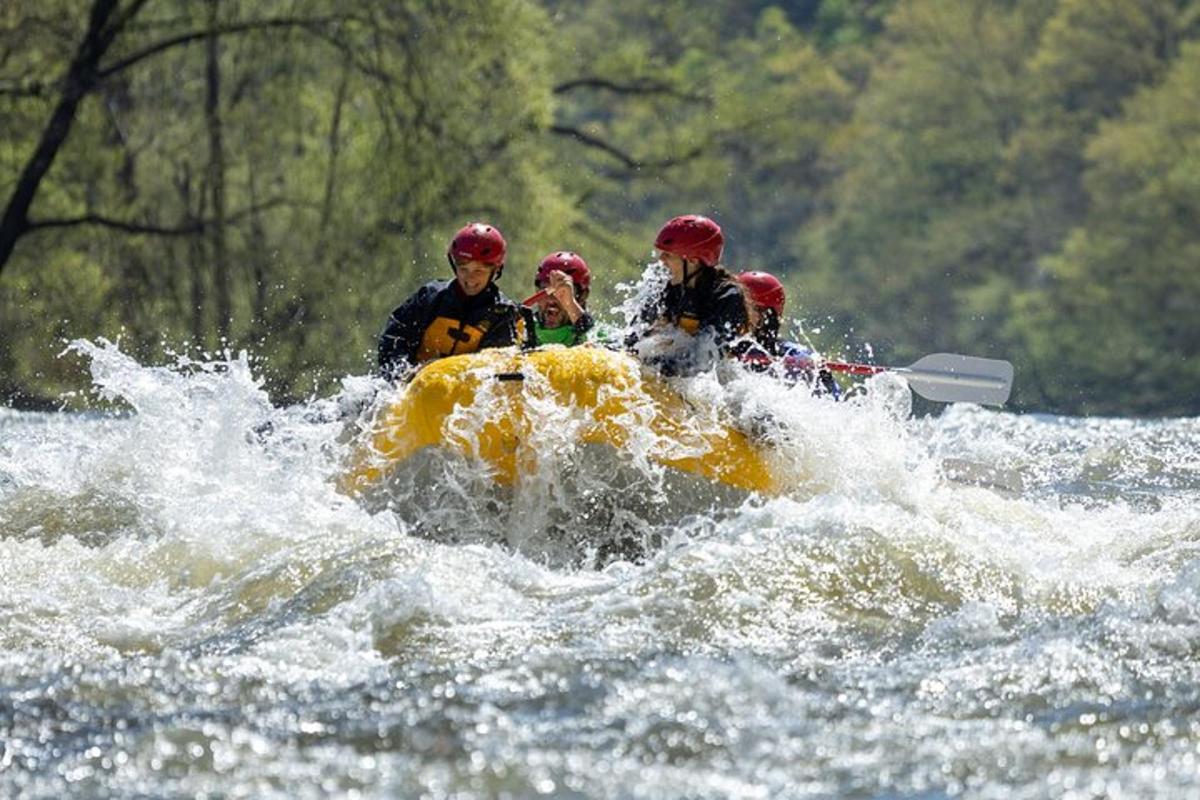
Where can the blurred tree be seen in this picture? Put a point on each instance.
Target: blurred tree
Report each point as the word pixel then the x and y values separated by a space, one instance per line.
pixel 277 175
pixel 1092 54
pixel 924 212
pixel 327 172
pixel 707 109
pixel 1119 312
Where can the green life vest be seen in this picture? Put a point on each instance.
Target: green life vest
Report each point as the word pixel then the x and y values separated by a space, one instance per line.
pixel 563 334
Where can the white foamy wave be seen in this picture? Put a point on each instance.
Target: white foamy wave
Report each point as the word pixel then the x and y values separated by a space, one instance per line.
pixel 1010 598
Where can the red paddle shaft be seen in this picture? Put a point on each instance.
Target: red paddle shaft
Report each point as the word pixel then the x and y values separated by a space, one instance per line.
pixel 854 369
pixel 534 298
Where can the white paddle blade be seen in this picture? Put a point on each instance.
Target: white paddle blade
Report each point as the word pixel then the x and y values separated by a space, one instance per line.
pixel 951 378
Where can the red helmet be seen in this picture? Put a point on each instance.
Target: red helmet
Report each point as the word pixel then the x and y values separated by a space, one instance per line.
pixel 692 236
pixel 568 262
pixel 764 290
pixel 478 242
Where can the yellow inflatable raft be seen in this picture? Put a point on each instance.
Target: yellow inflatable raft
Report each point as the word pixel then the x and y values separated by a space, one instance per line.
pixel 486 405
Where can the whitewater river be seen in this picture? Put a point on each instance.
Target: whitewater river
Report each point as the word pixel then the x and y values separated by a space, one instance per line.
pixel 976 604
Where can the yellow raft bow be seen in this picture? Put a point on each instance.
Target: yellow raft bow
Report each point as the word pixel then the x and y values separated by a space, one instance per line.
pixel 484 405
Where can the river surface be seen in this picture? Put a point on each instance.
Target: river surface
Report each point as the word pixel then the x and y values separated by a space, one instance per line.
pixel 977 604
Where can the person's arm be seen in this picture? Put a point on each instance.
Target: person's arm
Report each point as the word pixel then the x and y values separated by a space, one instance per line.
pixel 582 325
pixel 724 325
pixel 402 335
pixel 508 327
pixel 802 364
pixel 649 312
pixel 562 289
pixel 752 355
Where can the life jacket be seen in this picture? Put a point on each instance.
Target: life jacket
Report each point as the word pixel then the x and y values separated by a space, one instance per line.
pixel 438 320
pixel 568 334
pixel 447 336
pixel 563 334
pixel 713 300
pixel 710 304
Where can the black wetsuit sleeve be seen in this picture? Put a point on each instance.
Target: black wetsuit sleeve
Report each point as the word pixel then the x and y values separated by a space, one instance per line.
pixel 724 324
pixel 508 328
pixel 401 336
pixel 582 325
pixel 527 333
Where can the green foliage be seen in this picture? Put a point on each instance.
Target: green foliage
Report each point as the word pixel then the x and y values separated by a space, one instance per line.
pixel 962 176
pixel 37 299
pixel 1122 295
pixel 1091 56
pixel 732 121
pixel 352 150
pixel 1014 178
pixel 922 213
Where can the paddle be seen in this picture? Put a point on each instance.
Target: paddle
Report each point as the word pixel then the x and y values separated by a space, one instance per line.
pixel 534 298
pixel 946 377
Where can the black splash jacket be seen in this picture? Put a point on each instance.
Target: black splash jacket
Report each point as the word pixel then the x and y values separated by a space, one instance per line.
pixel 712 304
pixel 439 320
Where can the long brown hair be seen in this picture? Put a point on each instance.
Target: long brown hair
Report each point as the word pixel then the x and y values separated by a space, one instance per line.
pixel 724 275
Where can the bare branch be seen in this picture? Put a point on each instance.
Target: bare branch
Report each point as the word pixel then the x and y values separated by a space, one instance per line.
pixel 352 54
pixel 147 229
pixel 196 36
pixel 79 80
pixel 31 89
pixel 122 19
pixel 639 86
pixel 120 225
pixel 592 141
pixel 626 159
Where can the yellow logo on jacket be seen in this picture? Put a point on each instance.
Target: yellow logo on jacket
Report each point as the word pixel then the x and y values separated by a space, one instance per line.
pixel 448 337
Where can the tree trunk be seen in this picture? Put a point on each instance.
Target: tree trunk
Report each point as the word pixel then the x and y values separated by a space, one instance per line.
pixel 216 178
pixel 195 256
pixel 259 263
pixel 335 147
pixel 79 81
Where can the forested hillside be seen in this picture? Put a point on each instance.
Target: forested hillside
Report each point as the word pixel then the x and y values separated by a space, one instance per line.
pixel 1007 178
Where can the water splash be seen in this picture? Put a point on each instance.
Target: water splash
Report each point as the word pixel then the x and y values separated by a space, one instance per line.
pixel 977 602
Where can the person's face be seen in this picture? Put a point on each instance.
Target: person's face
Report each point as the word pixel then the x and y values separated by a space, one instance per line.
pixel 560 300
pixel 473 276
pixel 674 265
pixel 551 311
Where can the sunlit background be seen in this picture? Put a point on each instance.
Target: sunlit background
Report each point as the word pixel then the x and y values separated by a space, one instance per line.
pixel 1011 179
pixel 209 209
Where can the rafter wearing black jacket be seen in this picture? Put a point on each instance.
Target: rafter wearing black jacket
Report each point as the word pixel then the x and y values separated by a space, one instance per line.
pixel 712 304
pixel 441 320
